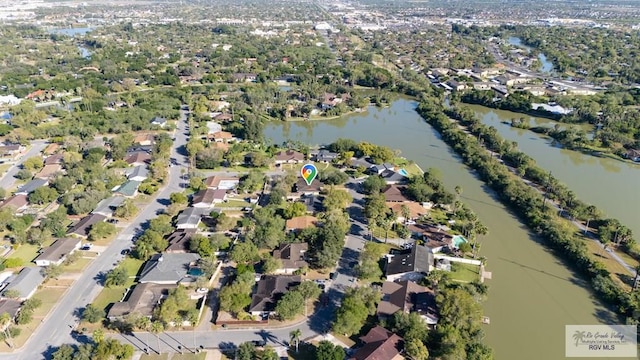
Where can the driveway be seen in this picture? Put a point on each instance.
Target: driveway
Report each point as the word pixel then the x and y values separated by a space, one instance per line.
pixel 8 180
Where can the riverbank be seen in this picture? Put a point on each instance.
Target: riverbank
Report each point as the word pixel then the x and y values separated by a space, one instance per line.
pixel 528 203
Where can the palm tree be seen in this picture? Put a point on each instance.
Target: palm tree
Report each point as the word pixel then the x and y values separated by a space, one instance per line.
pixel 458 190
pixel 406 213
pixel 295 337
pixel 591 212
pixel 98 336
pixel 157 327
pixel 636 278
pixel 5 322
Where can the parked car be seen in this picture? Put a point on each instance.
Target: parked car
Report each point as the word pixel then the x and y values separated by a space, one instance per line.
pixel 86 247
pixel 259 343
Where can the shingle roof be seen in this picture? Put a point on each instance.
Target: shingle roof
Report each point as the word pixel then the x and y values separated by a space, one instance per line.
pixel 400 296
pixel 415 210
pixel 190 216
pixel 380 344
pixel 31 186
pixel 292 255
pixel 419 259
pixel 289 155
pixel 83 226
pixel 222 182
pixel 10 306
pixel 179 240
pixel 138 171
pixel 142 300
pixel 26 282
pixel 167 267
pixel 129 188
pixel 301 222
pixel 394 193
pixel 16 202
pixel 59 249
pixel 107 206
pixel 138 157
pixel 269 290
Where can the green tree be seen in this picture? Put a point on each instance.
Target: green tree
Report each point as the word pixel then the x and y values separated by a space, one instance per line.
pixel 290 305
pixel 244 252
pixel 126 210
pixel 101 230
pixel 178 198
pixel 42 195
pixel 246 351
pixel 373 184
pixel 64 352
pixel 270 264
pixel 336 199
pixel 416 350
pixel 116 277
pixel 294 209
pixel 93 314
pixel 294 337
pixel 326 350
pixel 32 164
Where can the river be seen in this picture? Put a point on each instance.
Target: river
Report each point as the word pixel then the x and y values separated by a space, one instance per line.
pixel 84 52
pixel 547 66
pixel 532 294
pixel 611 185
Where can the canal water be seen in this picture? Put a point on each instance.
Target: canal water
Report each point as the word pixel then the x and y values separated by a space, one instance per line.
pixel 546 67
pixel 611 185
pixel 532 294
pixel 84 52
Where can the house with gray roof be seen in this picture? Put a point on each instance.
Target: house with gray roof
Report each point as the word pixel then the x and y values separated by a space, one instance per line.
pixel 57 252
pixel 159 121
pixel 326 156
pixel 171 268
pixel 108 206
pixel 31 186
pixel 26 283
pixel 393 177
pixel 128 189
pixel 380 168
pixel 82 227
pixel 142 300
pixel 138 173
pixel 410 265
pixel 189 219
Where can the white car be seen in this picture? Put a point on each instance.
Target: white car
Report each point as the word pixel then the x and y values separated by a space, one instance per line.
pixel 202 290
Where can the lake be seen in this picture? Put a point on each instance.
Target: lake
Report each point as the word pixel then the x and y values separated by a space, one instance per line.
pixel 532 294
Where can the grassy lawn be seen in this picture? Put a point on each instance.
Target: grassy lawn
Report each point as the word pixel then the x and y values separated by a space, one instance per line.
pixel 132 266
pixel 465 272
pixel 77 265
pixel 114 294
pixel 619 274
pixel 154 357
pixel 232 203
pixel 200 356
pixel 381 234
pixel 305 352
pixel 414 169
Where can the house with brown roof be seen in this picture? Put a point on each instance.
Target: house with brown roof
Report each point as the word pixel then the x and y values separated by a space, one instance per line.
pixel 269 290
pixel 138 158
pixel 82 227
pixel 10 307
pixel 380 344
pixel 224 147
pixel 142 300
pixel 179 241
pixel 58 252
pixel 394 193
pixel 54 159
pixel 207 197
pixel 18 203
pixel 289 157
pixel 222 136
pixel 144 139
pixel 10 152
pixel 415 210
pixel 300 223
pixel 223 117
pixel 291 256
pixel 435 237
pixel 51 149
pixel 408 297
pixel 222 182
pixel 301 189
pixel 49 171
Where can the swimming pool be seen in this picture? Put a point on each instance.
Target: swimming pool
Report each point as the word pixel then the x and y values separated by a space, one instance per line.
pixel 458 240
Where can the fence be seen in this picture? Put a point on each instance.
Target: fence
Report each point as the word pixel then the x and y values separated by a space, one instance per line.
pixel 460 260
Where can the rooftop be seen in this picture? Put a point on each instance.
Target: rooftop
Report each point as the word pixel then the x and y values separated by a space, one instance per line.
pixel 269 290
pixel 142 300
pixel 58 250
pixel 82 227
pixel 418 259
pixel 167 267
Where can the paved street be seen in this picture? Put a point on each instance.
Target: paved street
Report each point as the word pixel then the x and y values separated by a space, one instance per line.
pixel 56 327
pixel 9 180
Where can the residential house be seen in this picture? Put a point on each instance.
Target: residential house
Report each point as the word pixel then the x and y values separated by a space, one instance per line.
pixel 138 173
pixel 300 188
pixel 142 300
pixel 18 203
pixel 222 136
pixel 361 161
pixel 380 344
pixel 128 189
pixel 246 77
pixel 58 252
pixel 435 238
pixel 223 117
pixel 144 139
pixel 395 193
pixel 49 171
pixel 301 222
pixel 138 158
pixel 82 227
pixel 289 157
pixel 482 86
pixel 144 148
pixel 224 147
pixel 269 290
pixel 10 307
pixel 31 186
pixel 408 297
pixel 55 159
pixel 410 265
pixel 326 156
pixel 415 210
pixel 380 168
pixel 291 256
pixel 313 203
pixel 159 121
pixel 189 219
pixel 179 241
pixel 51 149
pixel 393 177
pixel 207 197
pixel 108 206
pixel 10 152
pixel 501 92
pixel 213 127
pixel 633 155
pixel 170 268
pixel 221 182
pixel 455 85
pixel 25 283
